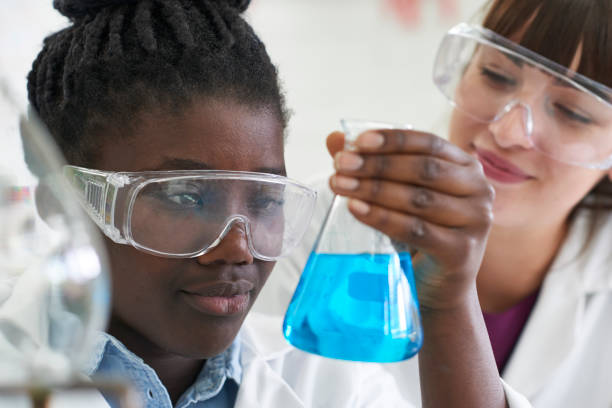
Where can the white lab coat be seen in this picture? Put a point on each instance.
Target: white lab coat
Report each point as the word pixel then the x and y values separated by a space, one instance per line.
pixel 564 355
pixel 278 375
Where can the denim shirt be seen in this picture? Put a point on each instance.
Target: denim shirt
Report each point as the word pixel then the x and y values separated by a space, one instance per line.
pixel 215 387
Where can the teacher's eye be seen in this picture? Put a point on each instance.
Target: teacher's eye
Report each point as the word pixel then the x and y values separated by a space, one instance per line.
pixel 571 114
pixel 496 78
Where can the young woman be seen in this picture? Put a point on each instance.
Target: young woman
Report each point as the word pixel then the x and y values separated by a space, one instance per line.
pixel 171 118
pixel 532 104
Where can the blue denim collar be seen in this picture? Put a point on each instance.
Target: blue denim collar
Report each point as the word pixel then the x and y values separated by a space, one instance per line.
pixel 109 351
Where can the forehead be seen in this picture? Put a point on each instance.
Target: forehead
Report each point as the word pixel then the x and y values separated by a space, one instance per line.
pixel 212 134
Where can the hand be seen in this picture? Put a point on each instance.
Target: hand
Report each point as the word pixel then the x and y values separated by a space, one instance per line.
pixel 423 191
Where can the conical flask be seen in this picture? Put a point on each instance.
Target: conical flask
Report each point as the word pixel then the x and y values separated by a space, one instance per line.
pixel 356 299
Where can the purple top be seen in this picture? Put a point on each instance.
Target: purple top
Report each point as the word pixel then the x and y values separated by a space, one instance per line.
pixel 505 328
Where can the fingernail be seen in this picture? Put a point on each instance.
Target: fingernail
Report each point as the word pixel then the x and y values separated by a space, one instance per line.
pixel 345 183
pixel 347 161
pixel 370 140
pixel 359 206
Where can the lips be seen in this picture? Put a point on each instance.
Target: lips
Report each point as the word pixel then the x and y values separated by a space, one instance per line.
pixel 499 169
pixel 219 298
pixel 223 289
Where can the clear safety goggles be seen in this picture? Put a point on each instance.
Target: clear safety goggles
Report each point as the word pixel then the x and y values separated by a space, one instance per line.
pixel 184 214
pixel 564 115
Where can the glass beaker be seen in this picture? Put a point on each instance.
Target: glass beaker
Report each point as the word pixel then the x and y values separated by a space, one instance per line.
pixel 356 299
pixel 54 283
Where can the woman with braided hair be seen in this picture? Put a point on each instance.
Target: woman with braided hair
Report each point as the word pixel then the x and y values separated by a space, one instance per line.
pixel 171 118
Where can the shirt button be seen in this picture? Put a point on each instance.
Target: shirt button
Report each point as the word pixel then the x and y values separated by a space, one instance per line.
pixel 150 394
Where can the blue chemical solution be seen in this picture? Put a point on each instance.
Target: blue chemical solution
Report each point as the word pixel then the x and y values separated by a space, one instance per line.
pixel 359 307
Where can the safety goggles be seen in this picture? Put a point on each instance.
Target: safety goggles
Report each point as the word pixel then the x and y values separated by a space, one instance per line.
pixel 184 214
pixel 564 115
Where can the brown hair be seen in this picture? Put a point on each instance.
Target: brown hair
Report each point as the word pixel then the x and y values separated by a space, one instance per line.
pixel 557 29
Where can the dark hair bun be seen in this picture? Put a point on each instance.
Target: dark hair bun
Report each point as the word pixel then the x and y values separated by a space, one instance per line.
pixel 240 5
pixel 75 9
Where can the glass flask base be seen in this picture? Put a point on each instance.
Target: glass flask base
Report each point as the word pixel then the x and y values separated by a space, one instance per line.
pixel 346 307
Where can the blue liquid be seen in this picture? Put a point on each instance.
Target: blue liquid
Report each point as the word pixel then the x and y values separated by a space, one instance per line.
pixel 359 307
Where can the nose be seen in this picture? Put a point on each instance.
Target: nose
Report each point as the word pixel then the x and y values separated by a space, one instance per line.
pixel 512 127
pixel 232 249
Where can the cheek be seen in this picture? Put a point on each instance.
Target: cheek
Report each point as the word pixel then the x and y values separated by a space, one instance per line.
pixel 572 183
pixel 137 280
pixel 264 271
pixel 462 130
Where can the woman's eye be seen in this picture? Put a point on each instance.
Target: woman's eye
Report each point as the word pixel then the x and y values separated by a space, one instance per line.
pixel 571 114
pixel 497 78
pixel 185 200
pixel 266 205
pixel 177 197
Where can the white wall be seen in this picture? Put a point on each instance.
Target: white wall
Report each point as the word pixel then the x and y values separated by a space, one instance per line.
pixel 337 58
pixel 23 25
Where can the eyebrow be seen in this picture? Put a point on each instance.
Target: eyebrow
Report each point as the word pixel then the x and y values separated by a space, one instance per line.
pixel 603 95
pixel 189 164
pixel 565 84
pixel 272 170
pixel 516 61
pixel 519 63
pixel 180 164
pixel 597 92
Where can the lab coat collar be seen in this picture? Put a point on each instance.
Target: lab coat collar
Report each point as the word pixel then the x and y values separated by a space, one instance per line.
pixel 595 261
pixel 554 324
pixel 262 344
pixel 585 257
pixel 262 336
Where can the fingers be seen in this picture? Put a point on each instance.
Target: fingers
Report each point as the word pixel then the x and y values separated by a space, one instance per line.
pixel 421 170
pixel 405 183
pixel 435 240
pixel 410 142
pixel 407 156
pixel 400 141
pixel 427 195
pixel 435 207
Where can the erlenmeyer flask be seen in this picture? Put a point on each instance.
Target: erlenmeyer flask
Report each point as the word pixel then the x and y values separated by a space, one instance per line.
pixel 356 299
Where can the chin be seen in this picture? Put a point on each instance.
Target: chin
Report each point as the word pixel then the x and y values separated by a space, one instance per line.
pixel 205 347
pixel 511 216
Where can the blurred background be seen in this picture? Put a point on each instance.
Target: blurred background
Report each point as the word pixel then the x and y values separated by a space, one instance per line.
pixel 362 59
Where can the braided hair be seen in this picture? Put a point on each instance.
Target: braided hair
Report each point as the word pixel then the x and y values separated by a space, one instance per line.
pixel 119 57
